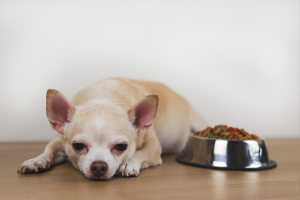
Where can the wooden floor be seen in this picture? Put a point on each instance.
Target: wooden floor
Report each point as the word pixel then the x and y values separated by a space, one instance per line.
pixel 171 180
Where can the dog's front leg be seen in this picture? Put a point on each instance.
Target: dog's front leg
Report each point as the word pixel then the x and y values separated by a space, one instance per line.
pixel 147 156
pixel 53 155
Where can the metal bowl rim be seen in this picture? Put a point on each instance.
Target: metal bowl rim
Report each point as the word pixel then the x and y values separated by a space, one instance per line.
pixel 204 138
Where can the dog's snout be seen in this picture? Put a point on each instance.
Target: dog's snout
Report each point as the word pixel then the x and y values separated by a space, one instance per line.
pixel 99 168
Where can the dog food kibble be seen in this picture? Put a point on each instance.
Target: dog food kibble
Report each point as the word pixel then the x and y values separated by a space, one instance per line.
pixel 227 133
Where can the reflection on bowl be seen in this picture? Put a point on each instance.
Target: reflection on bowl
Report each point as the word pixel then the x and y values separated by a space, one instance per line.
pixel 226 154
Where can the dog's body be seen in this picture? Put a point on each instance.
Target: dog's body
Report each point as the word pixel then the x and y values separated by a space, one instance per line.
pixel 109 127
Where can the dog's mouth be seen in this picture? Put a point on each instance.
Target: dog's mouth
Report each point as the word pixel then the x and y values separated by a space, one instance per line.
pixel 108 176
pixel 95 178
pixel 102 178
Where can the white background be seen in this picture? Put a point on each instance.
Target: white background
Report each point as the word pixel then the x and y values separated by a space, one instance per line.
pixel 236 62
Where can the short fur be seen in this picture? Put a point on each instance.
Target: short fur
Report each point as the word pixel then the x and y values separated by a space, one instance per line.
pixel 146 116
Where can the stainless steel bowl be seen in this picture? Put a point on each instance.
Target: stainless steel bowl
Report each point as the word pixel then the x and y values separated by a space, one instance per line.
pixel 226 154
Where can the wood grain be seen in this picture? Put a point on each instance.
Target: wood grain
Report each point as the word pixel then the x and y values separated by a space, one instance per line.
pixel 171 180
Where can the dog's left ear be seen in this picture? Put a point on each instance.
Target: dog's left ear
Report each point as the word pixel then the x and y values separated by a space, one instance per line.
pixel 143 113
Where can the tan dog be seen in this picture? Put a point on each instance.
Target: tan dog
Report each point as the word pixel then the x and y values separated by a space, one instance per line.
pixel 109 128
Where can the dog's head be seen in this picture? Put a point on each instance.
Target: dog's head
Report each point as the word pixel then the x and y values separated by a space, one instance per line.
pixel 99 136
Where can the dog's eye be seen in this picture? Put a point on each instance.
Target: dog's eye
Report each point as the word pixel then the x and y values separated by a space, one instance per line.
pixel 78 146
pixel 121 147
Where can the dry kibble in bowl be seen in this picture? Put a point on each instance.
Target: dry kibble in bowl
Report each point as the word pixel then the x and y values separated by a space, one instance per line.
pixel 227 133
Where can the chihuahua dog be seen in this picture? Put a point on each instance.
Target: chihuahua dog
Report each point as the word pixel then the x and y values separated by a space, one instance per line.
pixel 116 125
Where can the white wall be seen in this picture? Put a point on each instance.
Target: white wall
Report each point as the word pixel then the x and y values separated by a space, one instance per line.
pixel 237 62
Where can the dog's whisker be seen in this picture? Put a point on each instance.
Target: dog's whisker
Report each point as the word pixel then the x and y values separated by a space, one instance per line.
pixel 117 174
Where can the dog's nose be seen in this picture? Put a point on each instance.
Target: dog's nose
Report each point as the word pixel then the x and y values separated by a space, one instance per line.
pixel 99 168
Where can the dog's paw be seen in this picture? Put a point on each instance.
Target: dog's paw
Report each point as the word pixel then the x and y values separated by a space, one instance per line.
pixel 35 165
pixel 129 168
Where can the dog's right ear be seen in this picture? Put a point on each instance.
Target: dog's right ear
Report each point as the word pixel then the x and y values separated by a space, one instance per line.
pixel 59 110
